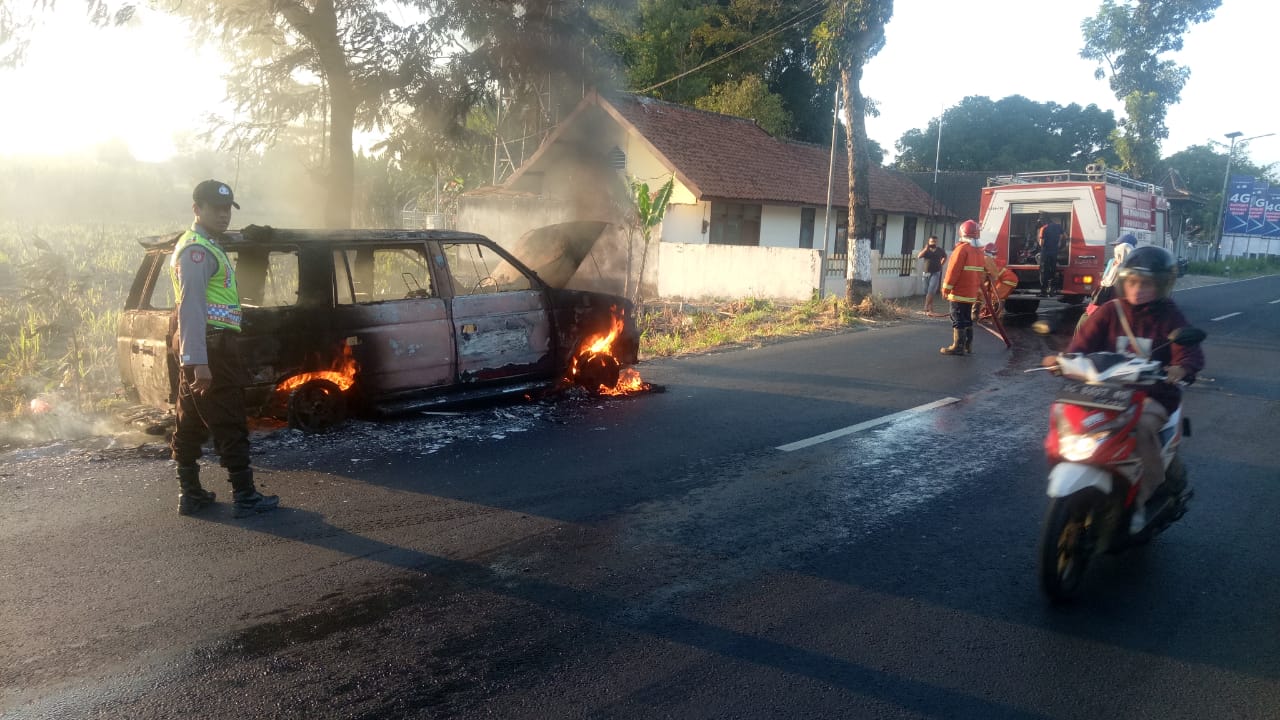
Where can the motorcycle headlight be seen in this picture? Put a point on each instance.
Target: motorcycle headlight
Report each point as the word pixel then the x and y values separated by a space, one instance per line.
pixel 1078 448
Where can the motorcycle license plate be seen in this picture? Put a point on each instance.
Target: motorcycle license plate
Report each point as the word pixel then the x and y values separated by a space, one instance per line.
pixel 1099 396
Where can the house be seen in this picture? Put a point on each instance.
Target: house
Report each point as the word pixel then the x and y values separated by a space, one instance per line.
pixel 747 216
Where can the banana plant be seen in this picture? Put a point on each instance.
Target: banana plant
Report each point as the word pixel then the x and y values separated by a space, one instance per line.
pixel 651 206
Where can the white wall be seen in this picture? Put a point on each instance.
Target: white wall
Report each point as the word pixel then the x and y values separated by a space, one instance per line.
pixel 706 272
pixel 683 223
pixel 1245 245
pixel 780 226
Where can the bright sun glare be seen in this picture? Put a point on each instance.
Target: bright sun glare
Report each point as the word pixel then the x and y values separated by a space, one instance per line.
pixel 98 84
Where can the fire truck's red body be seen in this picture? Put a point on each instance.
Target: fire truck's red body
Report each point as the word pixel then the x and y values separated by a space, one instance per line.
pixel 1094 208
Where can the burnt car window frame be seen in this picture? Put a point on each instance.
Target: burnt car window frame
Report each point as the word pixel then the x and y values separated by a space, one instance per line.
pixel 345 280
pixel 486 283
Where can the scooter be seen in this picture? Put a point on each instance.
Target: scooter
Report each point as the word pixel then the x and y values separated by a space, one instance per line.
pixel 1094 466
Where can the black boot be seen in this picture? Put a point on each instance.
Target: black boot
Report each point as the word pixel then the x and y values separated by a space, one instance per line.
pixel 246 500
pixel 193 498
pixel 957 343
pixel 968 341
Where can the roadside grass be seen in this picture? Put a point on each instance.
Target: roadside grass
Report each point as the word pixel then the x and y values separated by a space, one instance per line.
pixel 670 329
pixel 1236 267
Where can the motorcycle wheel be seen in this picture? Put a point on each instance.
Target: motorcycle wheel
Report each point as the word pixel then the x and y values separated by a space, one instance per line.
pixel 1067 543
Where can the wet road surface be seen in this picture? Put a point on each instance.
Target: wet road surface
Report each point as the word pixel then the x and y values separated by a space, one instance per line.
pixel 657 556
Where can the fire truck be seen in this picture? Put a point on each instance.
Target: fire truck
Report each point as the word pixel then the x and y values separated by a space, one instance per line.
pixel 1094 208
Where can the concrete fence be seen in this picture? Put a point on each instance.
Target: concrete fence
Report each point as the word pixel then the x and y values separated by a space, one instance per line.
pixel 704 272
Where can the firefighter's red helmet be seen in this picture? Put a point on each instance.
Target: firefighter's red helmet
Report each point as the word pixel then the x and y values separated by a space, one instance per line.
pixel 969 229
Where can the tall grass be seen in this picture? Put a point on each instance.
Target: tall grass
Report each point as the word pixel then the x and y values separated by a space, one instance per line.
pixel 61 291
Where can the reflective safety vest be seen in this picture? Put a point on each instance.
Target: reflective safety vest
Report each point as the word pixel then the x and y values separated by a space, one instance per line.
pixel 221 296
pixel 963 281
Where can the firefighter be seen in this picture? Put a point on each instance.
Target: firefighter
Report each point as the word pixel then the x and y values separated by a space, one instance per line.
pixel 211 380
pixel 962 287
pixel 1002 279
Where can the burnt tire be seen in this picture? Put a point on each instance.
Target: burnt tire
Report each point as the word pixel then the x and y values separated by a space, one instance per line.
pixel 316 406
pixel 1067 543
pixel 596 370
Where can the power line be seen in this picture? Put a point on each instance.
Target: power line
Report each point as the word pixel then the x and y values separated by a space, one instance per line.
pixel 806 14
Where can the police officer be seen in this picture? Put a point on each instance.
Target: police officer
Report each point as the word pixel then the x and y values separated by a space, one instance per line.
pixel 962 286
pixel 211 383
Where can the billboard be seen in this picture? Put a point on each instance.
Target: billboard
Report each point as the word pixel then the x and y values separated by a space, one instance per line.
pixel 1235 220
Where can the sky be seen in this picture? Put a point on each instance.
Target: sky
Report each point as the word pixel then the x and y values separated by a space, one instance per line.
pixel 150 86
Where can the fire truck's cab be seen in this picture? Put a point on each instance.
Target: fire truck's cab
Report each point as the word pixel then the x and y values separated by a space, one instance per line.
pixel 1094 208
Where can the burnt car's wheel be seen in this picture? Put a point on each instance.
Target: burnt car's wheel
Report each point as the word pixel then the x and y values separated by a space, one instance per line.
pixel 316 406
pixel 597 369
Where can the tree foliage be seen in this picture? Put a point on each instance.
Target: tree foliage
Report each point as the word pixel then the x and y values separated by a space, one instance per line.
pixel 1012 134
pixel 850 34
pixel 682 50
pixel 749 98
pixel 1126 38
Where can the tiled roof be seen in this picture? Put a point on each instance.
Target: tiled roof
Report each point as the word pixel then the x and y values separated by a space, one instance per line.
pixel 730 158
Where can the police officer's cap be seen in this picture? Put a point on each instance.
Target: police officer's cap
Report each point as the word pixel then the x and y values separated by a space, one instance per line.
pixel 214 192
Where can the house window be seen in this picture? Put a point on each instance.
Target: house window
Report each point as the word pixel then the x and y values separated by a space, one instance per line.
pixel 879 224
pixel 908 235
pixel 806 227
pixel 734 224
pixel 617 159
pixel 842 233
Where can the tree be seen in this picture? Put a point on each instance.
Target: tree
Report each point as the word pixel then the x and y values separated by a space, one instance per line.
pixel 1126 39
pixel 333 61
pixel 683 51
pixel 1013 134
pixel 850 34
pixel 749 98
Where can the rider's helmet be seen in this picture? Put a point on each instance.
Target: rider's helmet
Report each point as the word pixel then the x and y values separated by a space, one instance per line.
pixel 969 229
pixel 1129 239
pixel 1155 263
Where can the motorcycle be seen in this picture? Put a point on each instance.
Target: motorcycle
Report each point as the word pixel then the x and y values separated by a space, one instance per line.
pixel 1094 466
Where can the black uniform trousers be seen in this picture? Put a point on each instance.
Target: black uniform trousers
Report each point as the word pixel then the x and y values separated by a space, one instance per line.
pixel 219 411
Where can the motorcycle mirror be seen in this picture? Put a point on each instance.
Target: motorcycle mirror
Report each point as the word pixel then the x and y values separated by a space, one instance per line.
pixel 1187 336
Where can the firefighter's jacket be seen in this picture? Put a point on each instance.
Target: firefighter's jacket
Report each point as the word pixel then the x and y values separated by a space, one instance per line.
pixel 963 281
pixel 1003 279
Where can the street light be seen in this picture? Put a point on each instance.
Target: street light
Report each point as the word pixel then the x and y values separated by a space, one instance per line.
pixel 1222 208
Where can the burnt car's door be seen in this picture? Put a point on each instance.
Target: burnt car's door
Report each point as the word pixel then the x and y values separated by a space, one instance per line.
pixel 142 336
pixel 501 316
pixel 389 311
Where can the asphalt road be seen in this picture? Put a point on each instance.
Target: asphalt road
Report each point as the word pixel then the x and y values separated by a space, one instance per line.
pixel 660 556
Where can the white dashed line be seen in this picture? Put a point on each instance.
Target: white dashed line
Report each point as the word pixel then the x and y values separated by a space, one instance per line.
pixel 1223 317
pixel 1273 302
pixel 800 444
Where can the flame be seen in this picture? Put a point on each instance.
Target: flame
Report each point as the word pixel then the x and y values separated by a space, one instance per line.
pixel 343 374
pixel 601 345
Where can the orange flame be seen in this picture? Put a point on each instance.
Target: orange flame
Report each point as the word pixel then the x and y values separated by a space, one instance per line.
pixel 343 374
pixel 602 345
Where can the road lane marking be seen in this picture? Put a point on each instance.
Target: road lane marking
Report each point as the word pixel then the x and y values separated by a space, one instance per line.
pixel 800 444
pixel 1223 317
pixel 1273 302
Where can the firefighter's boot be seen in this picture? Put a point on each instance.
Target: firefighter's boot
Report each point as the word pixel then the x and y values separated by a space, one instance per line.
pixel 193 498
pixel 246 500
pixel 968 341
pixel 957 343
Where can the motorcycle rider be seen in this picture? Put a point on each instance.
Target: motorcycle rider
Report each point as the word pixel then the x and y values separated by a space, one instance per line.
pixel 962 286
pixel 1140 320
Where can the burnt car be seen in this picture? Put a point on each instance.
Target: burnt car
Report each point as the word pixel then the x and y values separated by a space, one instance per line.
pixel 381 322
